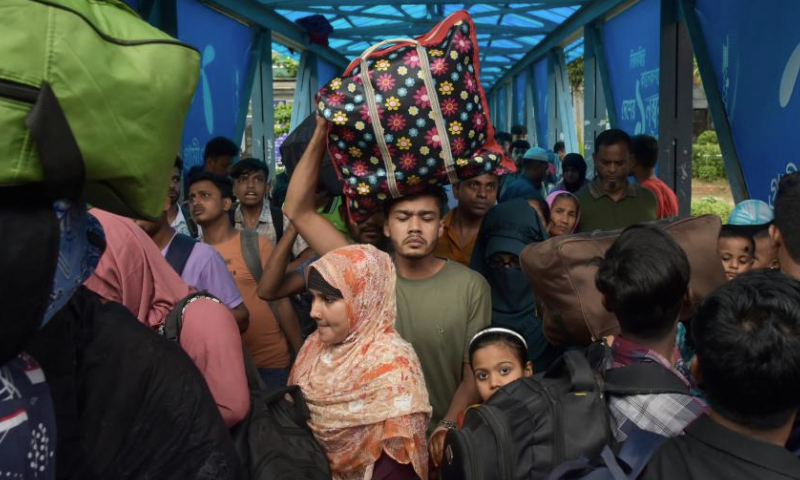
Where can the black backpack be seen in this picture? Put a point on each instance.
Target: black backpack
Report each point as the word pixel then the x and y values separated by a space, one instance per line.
pixel 274 440
pixel 534 424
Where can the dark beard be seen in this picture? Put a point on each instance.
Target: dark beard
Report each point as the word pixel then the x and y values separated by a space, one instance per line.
pixel 612 185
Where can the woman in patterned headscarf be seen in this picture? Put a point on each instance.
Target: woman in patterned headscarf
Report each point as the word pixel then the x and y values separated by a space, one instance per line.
pixel 363 382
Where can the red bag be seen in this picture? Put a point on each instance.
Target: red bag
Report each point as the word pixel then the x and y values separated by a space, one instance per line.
pixel 421 138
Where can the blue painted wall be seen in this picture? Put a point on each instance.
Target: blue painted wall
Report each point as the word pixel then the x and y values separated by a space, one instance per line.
pixel 756 55
pixel 632 48
pixel 225 47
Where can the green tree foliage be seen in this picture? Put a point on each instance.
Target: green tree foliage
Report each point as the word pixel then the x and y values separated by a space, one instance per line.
pixel 707 163
pixel 575 73
pixel 712 205
pixel 284 66
pixel 283 118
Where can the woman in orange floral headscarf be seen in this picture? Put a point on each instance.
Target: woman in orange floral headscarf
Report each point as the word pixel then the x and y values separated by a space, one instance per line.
pixel 363 383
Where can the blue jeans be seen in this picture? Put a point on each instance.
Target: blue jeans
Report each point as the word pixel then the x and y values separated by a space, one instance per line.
pixel 274 378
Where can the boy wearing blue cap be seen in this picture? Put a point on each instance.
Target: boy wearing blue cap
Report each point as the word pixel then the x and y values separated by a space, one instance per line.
pixel 753 218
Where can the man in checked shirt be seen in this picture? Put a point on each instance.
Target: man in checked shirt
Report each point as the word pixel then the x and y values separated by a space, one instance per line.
pixel 644 280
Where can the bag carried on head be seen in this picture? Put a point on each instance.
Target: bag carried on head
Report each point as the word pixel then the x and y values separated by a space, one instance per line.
pixel 534 424
pixel 562 271
pixel 274 439
pixel 78 104
pixel 411 115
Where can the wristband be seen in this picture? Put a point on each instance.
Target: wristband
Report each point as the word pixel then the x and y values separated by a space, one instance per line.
pixel 448 424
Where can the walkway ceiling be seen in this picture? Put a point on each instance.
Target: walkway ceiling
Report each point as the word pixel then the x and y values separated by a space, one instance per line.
pixel 506 31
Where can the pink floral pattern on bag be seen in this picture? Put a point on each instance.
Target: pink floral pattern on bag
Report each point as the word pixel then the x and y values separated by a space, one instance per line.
pixel 409 125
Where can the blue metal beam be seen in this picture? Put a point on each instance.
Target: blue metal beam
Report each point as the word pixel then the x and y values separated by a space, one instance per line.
pixel 585 15
pixel 540 5
pixel 596 34
pixel 263 108
pixel 675 106
pixel 287 32
pixel 305 87
pixel 401 11
pixel 553 121
pixel 594 116
pixel 564 108
pixel 527 12
pixel 417 27
pixel 489 44
pixel 340 13
pixel 257 44
pixel 538 122
pixel 345 17
pixel 733 166
pixel 509 114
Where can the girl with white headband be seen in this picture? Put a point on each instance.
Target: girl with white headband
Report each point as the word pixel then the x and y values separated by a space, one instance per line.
pixel 498 356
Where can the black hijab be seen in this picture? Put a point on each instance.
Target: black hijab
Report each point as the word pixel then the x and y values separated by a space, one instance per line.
pixel 575 160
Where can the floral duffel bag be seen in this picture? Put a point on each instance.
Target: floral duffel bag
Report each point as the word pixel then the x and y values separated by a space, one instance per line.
pixel 433 123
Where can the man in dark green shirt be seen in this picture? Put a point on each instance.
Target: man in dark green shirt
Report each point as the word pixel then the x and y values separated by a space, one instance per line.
pixel 610 201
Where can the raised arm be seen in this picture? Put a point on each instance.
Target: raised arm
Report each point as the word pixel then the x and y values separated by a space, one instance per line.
pixel 276 282
pixel 320 234
pixel 289 323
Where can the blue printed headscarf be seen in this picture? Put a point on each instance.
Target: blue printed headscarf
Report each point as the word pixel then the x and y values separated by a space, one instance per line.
pixel 80 248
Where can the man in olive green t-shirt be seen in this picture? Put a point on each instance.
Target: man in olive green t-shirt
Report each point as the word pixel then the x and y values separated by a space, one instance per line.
pixel 441 304
pixel 610 201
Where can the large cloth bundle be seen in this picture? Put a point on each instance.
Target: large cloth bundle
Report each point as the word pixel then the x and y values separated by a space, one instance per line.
pixel 562 271
pixel 91 92
pixel 432 125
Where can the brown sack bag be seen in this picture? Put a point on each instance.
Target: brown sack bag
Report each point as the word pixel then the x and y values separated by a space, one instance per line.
pixel 562 272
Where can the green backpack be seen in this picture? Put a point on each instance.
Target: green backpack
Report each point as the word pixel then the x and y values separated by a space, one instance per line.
pixel 92 102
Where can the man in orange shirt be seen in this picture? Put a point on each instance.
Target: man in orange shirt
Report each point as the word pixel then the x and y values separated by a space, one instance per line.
pixel 644 152
pixel 475 197
pixel 269 334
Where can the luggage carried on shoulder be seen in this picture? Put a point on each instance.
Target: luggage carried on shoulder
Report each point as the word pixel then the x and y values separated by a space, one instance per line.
pixel 533 425
pixel 410 113
pixel 77 102
pixel 562 271
pixel 274 440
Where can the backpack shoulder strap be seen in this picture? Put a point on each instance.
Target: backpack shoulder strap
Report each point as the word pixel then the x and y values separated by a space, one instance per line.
pixel 232 214
pixel 638 449
pixel 277 222
pixel 643 379
pixel 179 251
pixel 173 324
pixel 190 225
pixel 628 464
pixel 250 253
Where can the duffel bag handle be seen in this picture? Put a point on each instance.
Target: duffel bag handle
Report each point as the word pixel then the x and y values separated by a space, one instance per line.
pixel 382 44
pixel 59 153
pixel 299 404
pixel 581 375
pixel 438 118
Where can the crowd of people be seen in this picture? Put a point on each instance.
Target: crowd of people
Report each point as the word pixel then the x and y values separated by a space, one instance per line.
pixel 393 326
